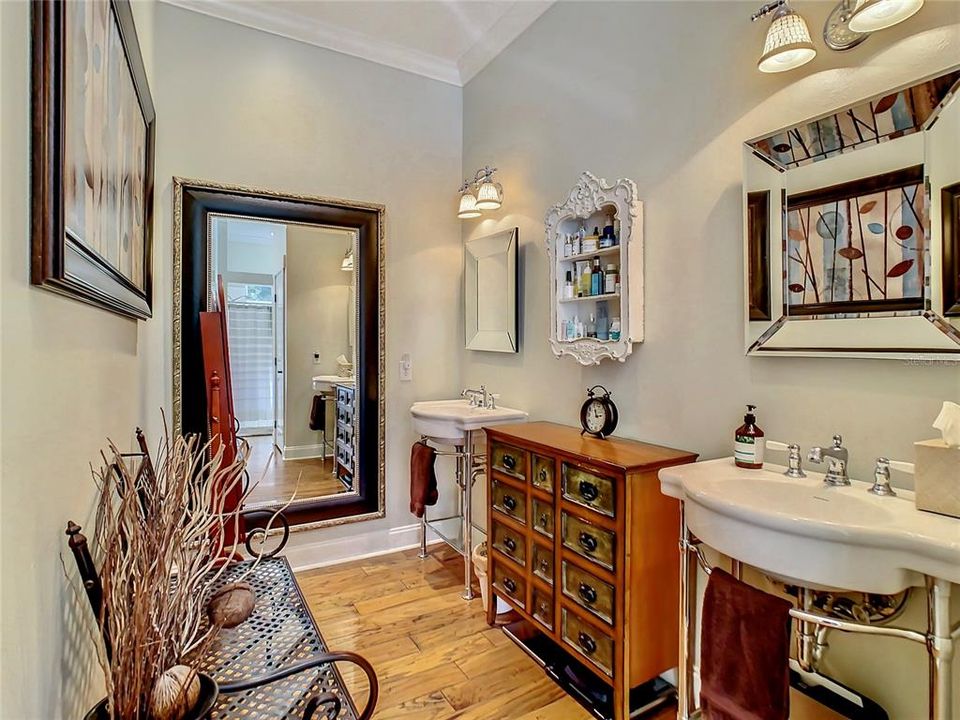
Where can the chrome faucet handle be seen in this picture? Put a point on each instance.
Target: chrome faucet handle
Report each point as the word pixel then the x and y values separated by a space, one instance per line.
pixel 838 442
pixel 794 463
pixel 881 479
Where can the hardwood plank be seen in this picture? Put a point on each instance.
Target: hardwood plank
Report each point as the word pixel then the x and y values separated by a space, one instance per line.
pixel 435 656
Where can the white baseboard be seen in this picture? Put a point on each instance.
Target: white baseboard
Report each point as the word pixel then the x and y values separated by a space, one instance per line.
pixel 304 452
pixel 335 551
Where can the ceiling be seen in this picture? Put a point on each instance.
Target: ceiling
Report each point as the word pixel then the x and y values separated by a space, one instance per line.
pixel 447 40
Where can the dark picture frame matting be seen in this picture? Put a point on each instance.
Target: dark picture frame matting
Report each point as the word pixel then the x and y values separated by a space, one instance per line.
pixel 950 225
pixel 60 260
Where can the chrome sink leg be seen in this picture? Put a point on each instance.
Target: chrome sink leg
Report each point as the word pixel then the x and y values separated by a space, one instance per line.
pixel 939 647
pixel 806 634
pixel 686 703
pixel 423 535
pixel 465 480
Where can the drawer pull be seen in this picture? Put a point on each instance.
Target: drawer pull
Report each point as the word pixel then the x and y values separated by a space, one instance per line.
pixel 588 594
pixel 510 585
pixel 589 491
pixel 543 608
pixel 544 564
pixel 543 520
pixel 588 542
pixel 510 462
pixel 510 502
pixel 543 475
pixel 587 643
pixel 510 544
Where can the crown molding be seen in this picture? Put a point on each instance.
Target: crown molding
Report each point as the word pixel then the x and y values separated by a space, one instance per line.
pixel 262 16
pixel 331 37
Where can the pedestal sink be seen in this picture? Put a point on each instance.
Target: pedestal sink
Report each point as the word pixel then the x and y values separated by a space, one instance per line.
pixel 447 421
pixel 809 534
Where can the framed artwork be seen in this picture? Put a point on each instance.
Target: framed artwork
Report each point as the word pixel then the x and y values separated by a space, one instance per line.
pixel 92 156
pixel 758 239
pixel 950 219
pixel 858 246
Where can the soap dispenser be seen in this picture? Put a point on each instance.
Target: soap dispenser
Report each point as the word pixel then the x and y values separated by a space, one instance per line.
pixel 749 442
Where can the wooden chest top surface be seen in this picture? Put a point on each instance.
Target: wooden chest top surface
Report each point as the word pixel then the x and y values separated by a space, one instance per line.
pixel 621 453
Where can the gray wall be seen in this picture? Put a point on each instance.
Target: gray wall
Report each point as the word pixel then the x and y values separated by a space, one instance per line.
pixel 665 93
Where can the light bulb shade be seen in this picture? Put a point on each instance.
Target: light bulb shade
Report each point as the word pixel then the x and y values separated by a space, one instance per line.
pixel 489 196
pixel 788 44
pixel 468 206
pixel 873 15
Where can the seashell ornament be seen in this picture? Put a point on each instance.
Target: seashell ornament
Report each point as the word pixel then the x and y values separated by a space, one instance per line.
pixel 231 605
pixel 175 693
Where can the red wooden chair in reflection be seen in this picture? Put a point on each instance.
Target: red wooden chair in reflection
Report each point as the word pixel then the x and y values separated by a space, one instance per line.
pixel 223 426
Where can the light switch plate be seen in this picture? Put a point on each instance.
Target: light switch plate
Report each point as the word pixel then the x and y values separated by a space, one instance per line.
pixel 316 358
pixel 406 368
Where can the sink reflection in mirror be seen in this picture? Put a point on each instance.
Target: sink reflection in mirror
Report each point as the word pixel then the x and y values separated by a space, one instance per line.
pixel 291 323
pixel 845 251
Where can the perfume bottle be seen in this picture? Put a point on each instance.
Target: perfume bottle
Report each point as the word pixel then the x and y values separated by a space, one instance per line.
pixel 568 286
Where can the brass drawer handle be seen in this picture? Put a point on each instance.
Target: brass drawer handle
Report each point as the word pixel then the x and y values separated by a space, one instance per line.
pixel 543 520
pixel 587 594
pixel 587 643
pixel 510 585
pixel 510 502
pixel 510 462
pixel 544 564
pixel 589 491
pixel 588 542
pixel 510 544
pixel 543 475
pixel 544 608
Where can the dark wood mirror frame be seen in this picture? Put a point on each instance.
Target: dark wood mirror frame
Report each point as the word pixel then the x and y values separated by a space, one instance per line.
pixel 194 202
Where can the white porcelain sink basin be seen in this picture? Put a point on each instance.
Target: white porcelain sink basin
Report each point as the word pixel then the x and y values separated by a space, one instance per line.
pixel 814 535
pixel 446 421
pixel 326 382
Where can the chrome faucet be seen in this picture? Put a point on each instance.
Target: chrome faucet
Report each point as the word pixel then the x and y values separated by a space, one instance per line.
pixel 838 458
pixel 480 398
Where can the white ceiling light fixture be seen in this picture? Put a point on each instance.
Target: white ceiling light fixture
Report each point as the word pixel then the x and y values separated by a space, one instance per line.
pixel 872 15
pixel 488 195
pixel 788 44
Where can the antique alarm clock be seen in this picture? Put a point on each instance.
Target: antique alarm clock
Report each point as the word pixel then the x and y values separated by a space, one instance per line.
pixel 598 416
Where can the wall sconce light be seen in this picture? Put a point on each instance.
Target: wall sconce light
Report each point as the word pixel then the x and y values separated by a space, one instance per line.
pixel 489 194
pixel 347 263
pixel 788 44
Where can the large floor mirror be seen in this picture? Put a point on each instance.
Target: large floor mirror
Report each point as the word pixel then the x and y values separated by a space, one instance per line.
pixel 302 281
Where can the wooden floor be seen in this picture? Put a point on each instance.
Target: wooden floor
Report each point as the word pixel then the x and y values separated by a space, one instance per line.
pixel 277 478
pixel 435 656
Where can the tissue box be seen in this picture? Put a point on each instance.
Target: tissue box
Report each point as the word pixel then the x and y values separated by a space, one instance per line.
pixel 937 479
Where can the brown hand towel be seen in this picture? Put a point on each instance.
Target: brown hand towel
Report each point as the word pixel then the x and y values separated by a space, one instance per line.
pixel 744 652
pixel 318 413
pixel 423 478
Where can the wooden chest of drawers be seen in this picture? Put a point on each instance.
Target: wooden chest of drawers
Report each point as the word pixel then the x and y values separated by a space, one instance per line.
pixel 585 547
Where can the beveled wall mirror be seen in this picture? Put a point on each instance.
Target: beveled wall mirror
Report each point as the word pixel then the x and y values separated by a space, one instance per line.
pixel 850 248
pixel 303 289
pixel 490 292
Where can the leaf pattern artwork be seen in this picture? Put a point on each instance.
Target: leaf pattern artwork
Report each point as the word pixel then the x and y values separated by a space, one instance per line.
pixel 856 247
pixel 868 123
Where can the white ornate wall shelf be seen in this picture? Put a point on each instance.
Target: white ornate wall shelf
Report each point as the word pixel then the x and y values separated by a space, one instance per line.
pixel 594 204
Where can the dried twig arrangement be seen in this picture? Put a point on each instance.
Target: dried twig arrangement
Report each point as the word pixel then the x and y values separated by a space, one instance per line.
pixel 159 542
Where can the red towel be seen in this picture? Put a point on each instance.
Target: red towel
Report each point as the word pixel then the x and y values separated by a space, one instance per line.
pixel 423 478
pixel 744 652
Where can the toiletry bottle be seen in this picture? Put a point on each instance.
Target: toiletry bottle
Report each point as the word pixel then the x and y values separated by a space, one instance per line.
pixel 586 280
pixel 603 320
pixel 568 286
pixel 608 230
pixel 610 279
pixel 591 327
pixel 577 327
pixel 596 278
pixel 567 246
pixel 570 330
pixel 749 442
pixel 574 244
pixel 615 329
